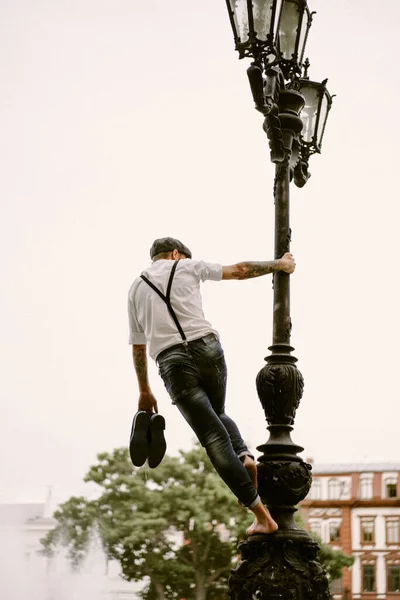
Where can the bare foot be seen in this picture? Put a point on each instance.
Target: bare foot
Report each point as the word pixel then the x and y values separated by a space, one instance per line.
pixel 251 468
pixel 266 527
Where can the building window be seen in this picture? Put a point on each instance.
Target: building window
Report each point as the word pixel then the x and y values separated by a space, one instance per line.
pixel 391 488
pixel 367 531
pixel 366 489
pixel 368 578
pixel 315 493
pixel 392 531
pixel 334 532
pixel 336 586
pixel 334 489
pixel 393 578
pixel 315 528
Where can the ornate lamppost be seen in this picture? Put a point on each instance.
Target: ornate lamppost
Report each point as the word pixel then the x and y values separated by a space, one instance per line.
pixel 274 33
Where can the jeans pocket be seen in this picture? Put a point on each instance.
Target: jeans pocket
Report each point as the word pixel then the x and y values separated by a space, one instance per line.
pixel 213 350
pixel 178 377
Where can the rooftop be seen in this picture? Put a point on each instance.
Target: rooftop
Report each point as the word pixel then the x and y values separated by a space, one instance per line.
pixel 338 468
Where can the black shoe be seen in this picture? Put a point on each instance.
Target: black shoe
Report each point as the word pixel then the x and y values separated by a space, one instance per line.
pixel 157 444
pixel 138 444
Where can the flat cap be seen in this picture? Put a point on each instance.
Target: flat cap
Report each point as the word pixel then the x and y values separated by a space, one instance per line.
pixel 168 244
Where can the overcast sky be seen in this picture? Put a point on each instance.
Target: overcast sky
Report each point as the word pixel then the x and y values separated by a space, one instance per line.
pixel 122 121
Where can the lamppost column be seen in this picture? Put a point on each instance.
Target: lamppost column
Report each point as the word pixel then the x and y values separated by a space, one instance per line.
pixel 290 105
pixel 281 314
pixel 283 565
pixel 273 33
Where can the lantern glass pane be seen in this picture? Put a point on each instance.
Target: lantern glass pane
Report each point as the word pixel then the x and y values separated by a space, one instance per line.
pixel 323 113
pixel 309 112
pixel 241 19
pixel 288 27
pixel 277 16
pixel 262 15
pixel 303 35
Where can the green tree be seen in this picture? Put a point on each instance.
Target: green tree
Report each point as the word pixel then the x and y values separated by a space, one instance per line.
pixel 76 520
pixel 334 561
pixel 176 526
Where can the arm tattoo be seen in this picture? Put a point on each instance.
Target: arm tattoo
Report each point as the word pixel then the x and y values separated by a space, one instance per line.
pixel 248 270
pixel 140 362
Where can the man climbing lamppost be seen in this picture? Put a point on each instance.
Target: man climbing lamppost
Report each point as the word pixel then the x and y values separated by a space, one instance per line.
pixel 165 313
pixel 274 33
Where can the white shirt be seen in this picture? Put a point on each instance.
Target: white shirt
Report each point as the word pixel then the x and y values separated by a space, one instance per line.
pixel 149 319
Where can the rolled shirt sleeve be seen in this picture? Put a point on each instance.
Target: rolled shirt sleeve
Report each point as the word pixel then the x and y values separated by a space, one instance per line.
pixel 136 333
pixel 208 271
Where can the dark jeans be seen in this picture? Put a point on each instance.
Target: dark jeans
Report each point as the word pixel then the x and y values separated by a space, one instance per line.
pixel 195 379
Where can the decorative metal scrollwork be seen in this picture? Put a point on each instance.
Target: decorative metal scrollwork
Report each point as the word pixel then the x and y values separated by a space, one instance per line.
pixel 284 482
pixel 280 568
pixel 280 388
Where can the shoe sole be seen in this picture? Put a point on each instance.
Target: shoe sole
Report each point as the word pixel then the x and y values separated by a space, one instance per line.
pixel 138 444
pixel 157 443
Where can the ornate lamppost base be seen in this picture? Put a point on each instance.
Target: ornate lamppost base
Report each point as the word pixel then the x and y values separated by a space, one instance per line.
pixel 283 566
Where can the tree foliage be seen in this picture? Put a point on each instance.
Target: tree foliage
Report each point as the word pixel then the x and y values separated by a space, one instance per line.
pixel 76 519
pixel 334 561
pixel 176 526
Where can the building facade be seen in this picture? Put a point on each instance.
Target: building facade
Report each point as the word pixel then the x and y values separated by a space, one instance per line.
pixel 357 508
pixel 25 573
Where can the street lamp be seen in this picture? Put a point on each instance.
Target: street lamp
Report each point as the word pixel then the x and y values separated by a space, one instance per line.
pixel 279 27
pixel 253 25
pixel 292 33
pixel 274 34
pixel 317 104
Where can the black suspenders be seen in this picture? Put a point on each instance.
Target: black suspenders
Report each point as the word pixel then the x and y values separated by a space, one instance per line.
pixel 167 300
